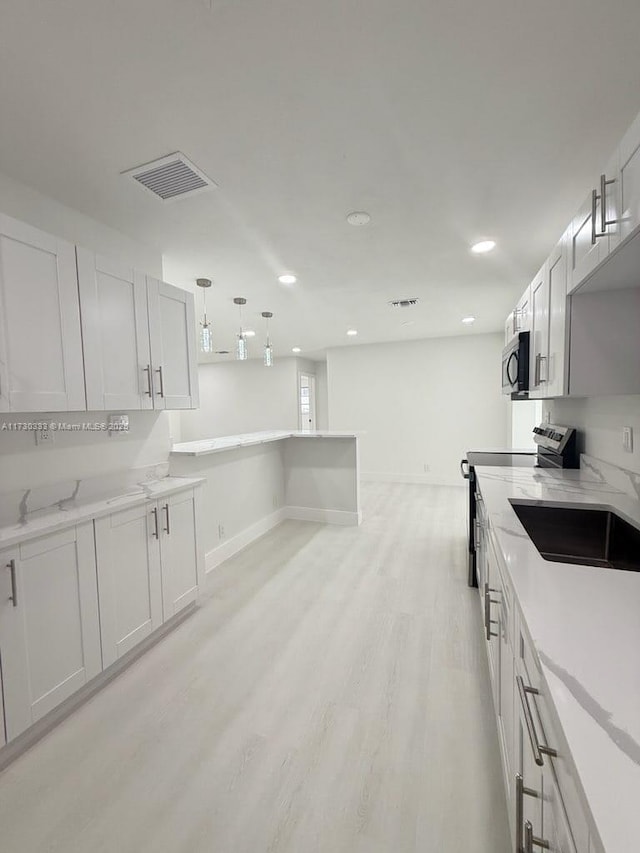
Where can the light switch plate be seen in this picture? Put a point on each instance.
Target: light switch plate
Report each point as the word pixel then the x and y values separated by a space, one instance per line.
pixel 627 439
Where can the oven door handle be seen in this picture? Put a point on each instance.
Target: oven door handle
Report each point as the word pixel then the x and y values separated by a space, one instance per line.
pixel 465 472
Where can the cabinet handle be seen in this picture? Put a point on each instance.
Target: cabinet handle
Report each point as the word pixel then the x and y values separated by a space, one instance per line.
pixel 167 529
pixel 11 565
pixel 488 621
pixel 154 513
pixel 521 793
pixel 147 370
pixel 537 748
pixel 159 371
pixel 530 839
pixel 539 378
pixel 604 222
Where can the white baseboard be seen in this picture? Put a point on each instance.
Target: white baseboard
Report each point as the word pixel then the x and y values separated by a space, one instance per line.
pixel 232 546
pixel 327 516
pixel 218 555
pixel 420 479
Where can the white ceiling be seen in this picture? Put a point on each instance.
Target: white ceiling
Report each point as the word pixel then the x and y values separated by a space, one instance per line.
pixel 447 122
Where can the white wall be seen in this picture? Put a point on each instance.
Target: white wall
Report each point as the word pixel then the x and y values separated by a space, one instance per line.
pixel 599 421
pixel 243 396
pixel 77 455
pixel 420 404
pixel 524 415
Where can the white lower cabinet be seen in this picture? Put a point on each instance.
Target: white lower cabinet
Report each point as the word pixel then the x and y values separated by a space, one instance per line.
pixel 128 557
pixel 49 628
pixel 147 569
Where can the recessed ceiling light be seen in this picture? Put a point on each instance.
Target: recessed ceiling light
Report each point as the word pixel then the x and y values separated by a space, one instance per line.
pixel 483 246
pixel 296 349
pixel 468 320
pixel 352 332
pixel 358 217
pixel 287 278
pixel 249 333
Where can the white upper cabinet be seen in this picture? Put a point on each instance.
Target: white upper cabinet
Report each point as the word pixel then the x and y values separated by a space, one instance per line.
pixel 586 250
pixel 522 313
pixel 539 342
pixel 173 346
pixel 49 632
pixel 115 332
pixel 629 180
pixel 556 385
pixel 41 368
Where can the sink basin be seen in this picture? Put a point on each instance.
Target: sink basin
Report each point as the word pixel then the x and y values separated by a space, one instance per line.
pixel 592 537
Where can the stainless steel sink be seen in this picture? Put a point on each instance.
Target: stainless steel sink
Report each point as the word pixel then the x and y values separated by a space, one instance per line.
pixel 589 536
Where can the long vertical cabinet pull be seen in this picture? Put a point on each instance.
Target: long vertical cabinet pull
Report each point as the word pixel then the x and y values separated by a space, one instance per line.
pixel 602 197
pixel 149 391
pixel 537 748
pixel 521 792
pixel 488 601
pixel 160 374
pixel 530 840
pixel 156 530
pixel 11 565
pixel 167 529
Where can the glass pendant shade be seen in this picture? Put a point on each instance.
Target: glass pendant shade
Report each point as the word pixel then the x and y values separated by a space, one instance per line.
pixel 268 349
pixel 242 351
pixel 206 328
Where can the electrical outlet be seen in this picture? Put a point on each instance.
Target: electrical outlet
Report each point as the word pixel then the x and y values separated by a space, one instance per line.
pixel 274 502
pixel 627 439
pixel 220 531
pixel 44 436
pixel 426 468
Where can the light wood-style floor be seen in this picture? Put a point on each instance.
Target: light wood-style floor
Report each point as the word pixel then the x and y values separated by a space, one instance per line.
pixel 330 696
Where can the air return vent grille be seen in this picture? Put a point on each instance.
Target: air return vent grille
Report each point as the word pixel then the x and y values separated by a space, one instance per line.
pixel 403 303
pixel 171 177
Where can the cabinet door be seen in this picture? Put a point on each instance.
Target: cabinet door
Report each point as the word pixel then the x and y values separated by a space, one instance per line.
pixel 178 551
pixel 492 603
pixel 539 346
pixel 40 341
pixel 49 627
pixel 128 557
pixel 584 254
pixel 556 830
pixel 115 333
pixel 506 723
pixel 522 313
pixel 629 180
pixel 558 322
pixel 173 346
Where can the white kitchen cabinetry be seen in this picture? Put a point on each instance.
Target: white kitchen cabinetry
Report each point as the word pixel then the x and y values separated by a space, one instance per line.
pixel 41 366
pixel 115 331
pixel 539 341
pixel 172 333
pixel 147 569
pixel 178 550
pixel 49 630
pixel 139 338
pixel 584 253
pixel 629 180
pixel 129 583
pixel 522 313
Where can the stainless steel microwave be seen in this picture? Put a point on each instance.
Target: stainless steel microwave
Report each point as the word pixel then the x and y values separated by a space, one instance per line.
pixel 515 367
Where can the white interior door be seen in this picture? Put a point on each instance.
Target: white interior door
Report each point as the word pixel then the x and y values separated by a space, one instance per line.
pixel 307 401
pixel 41 367
pixel 115 332
pixel 172 330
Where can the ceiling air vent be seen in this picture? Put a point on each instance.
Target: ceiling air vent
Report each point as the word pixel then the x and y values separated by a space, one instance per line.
pixel 171 177
pixel 403 303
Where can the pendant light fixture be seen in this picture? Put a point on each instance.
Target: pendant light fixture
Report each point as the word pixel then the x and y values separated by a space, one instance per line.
pixel 268 349
pixel 206 328
pixel 241 340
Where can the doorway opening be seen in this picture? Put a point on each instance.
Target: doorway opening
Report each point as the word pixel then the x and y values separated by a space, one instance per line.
pixel 307 402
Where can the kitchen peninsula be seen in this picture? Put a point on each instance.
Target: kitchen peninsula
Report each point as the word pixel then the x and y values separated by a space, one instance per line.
pixel 256 480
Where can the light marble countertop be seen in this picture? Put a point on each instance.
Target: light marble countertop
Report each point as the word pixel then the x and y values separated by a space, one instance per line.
pixel 205 446
pixel 585 626
pixel 68 511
